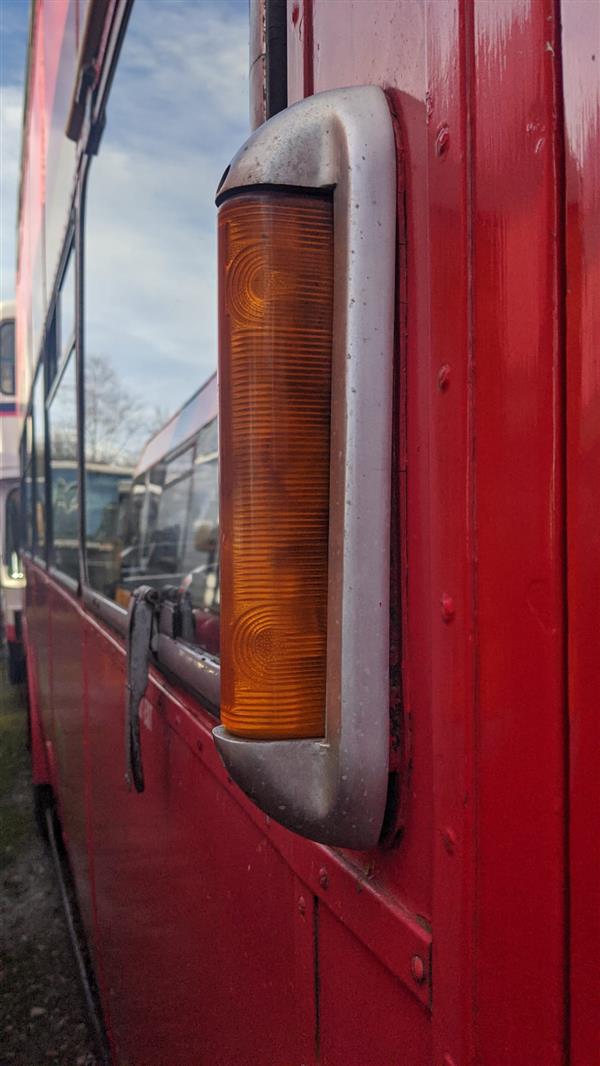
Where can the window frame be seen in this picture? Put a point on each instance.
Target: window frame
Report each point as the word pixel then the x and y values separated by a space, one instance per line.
pixel 40 375
pixel 27 468
pixel 7 547
pixel 71 583
pixel 6 324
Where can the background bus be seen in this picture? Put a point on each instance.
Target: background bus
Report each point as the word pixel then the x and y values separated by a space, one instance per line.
pixel 12 578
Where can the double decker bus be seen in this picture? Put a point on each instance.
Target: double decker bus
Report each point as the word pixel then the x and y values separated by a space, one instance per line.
pixel 12 580
pixel 354 819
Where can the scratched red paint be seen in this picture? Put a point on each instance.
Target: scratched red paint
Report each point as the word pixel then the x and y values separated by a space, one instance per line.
pixel 217 935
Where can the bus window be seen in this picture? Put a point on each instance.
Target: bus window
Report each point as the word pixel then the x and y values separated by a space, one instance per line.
pixel 150 325
pixel 159 507
pixel 62 425
pixel 201 548
pixel 165 540
pixel 39 461
pixel 66 320
pixel 27 484
pixel 7 358
pixel 12 542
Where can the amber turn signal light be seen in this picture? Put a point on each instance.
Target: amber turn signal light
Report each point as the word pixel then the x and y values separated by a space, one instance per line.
pixel 275 340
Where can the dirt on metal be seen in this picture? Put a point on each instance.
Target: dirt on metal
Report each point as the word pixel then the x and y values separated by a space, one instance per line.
pixel 42 1013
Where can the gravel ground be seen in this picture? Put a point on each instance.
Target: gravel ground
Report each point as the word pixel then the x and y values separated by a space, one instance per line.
pixel 42 1013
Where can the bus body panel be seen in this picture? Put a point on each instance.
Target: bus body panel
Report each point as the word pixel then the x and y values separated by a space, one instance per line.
pixel 39 646
pixel 70 738
pixel 12 590
pixel 519 516
pixel 474 82
pixel 217 935
pixel 199 920
pixel 581 73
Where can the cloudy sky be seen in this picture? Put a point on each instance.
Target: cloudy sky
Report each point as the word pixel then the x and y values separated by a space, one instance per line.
pixel 177 113
pixel 14 23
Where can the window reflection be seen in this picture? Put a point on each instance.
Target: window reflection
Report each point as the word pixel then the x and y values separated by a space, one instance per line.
pixel 12 544
pixel 39 440
pixel 62 427
pixel 7 358
pixel 66 338
pixel 177 112
pixel 170 532
pixel 27 484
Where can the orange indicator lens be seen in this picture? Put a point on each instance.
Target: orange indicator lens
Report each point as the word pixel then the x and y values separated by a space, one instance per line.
pixel 275 325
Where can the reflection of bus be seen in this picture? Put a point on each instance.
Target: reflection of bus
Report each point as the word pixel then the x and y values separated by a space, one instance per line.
pixel 12 578
pixel 361 830
pixel 108 488
pixel 170 524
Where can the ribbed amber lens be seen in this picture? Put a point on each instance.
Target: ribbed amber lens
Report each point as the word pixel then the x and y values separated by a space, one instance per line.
pixel 275 322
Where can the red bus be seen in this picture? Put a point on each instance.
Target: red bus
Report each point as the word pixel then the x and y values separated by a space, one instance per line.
pixel 12 580
pixel 355 820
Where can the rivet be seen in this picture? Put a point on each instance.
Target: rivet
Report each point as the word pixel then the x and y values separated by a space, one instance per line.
pixel 323 878
pixel 417 968
pixel 302 905
pixel 443 378
pixel 442 140
pixel 449 838
pixel 447 604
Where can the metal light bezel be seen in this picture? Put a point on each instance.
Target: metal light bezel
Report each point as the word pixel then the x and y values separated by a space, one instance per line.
pixel 333 789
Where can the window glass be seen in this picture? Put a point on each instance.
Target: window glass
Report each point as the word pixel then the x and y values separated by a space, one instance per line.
pixel 26 484
pixel 39 444
pixel 12 545
pixel 177 113
pixel 51 353
pixel 62 426
pixel 27 505
pixel 201 549
pixel 7 358
pixel 66 338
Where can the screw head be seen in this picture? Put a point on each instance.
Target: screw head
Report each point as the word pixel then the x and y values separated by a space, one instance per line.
pixel 417 968
pixel 448 609
pixel 449 838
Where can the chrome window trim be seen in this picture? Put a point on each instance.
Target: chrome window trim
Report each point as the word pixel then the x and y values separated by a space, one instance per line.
pixel 64 579
pixel 333 789
pixel 198 671
pixel 107 610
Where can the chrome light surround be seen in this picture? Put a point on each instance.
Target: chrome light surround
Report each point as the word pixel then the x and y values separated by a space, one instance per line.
pixel 333 789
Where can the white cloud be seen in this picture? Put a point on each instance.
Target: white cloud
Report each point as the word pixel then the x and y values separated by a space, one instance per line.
pixel 178 111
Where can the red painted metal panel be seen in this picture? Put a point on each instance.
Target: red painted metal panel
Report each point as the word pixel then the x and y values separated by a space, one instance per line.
pixel 220 936
pixel 392 54
pixel 40 772
pixel 366 1018
pixel 581 81
pixel 448 380
pixel 520 977
pixel 68 708
pixel 196 912
pixel 38 631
